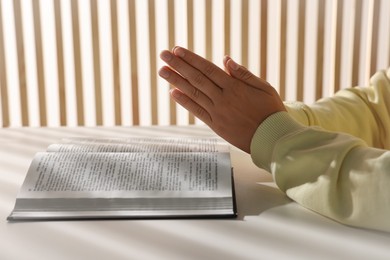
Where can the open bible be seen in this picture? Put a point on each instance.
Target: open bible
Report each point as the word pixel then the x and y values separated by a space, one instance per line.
pixel 82 178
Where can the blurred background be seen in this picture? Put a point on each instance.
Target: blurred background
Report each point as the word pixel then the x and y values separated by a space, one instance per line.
pixel 89 62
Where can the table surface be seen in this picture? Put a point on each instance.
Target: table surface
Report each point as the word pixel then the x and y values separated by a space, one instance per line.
pixel 269 225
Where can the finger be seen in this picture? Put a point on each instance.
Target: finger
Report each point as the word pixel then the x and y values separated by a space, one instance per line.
pixel 212 71
pixel 190 105
pixel 179 82
pixel 225 68
pixel 191 74
pixel 241 73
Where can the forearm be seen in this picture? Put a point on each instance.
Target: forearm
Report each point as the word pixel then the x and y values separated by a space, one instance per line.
pixel 334 174
pixel 361 112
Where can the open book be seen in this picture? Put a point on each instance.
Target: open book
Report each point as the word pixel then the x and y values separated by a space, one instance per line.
pixel 128 178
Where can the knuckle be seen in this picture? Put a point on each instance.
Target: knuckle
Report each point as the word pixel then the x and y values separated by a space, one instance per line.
pixel 189 58
pixel 184 101
pixel 195 93
pixel 245 74
pixel 198 79
pixel 174 80
pixel 210 69
pixel 199 112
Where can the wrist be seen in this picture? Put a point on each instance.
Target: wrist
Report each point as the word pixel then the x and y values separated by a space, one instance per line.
pixel 266 136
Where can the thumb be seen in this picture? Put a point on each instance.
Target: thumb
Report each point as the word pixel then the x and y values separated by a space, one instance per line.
pixel 241 73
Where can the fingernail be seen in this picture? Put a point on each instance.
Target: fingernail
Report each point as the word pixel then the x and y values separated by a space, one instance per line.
pixel 166 56
pixel 226 58
pixel 233 65
pixel 179 51
pixel 164 73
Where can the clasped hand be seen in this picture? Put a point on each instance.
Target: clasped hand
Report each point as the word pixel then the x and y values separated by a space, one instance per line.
pixel 233 103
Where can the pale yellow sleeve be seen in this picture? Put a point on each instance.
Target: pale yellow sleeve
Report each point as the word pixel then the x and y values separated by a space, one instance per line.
pixel 363 112
pixel 335 174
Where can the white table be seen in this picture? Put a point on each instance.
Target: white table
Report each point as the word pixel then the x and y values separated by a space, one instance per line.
pixel 269 225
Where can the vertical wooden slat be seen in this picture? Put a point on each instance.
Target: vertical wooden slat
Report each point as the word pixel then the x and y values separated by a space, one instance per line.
pixel 60 62
pixel 115 61
pixel 21 63
pixel 244 32
pixel 263 38
pixel 3 77
pixel 209 29
pixel 356 41
pixel 40 63
pixel 336 44
pixel 190 40
pixel 96 62
pixel 190 24
pixel 171 43
pixel 301 49
pixel 388 46
pixel 227 27
pixel 282 62
pixel 77 62
pixel 153 62
pixel 376 5
pixel 320 49
pixel 133 62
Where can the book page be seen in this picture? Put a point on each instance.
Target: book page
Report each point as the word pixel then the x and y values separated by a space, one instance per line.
pixel 88 175
pixel 165 145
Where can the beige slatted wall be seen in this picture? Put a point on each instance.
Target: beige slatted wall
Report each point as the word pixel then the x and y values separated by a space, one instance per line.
pixel 301 49
pixel 319 62
pixel 115 62
pixel 244 32
pixel 40 63
pixel 171 43
pixel 78 69
pixel 96 63
pixel 3 77
pixel 356 35
pixel 373 26
pixel 337 11
pixel 263 40
pixel 60 64
pixel 227 27
pixel 71 62
pixel 21 63
pixel 133 63
pixel 153 60
pixel 190 45
pixel 282 51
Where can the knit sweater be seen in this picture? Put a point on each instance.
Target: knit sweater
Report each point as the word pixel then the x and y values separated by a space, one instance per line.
pixel 333 157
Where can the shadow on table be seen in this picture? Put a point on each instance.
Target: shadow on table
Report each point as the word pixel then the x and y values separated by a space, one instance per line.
pixel 254 198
